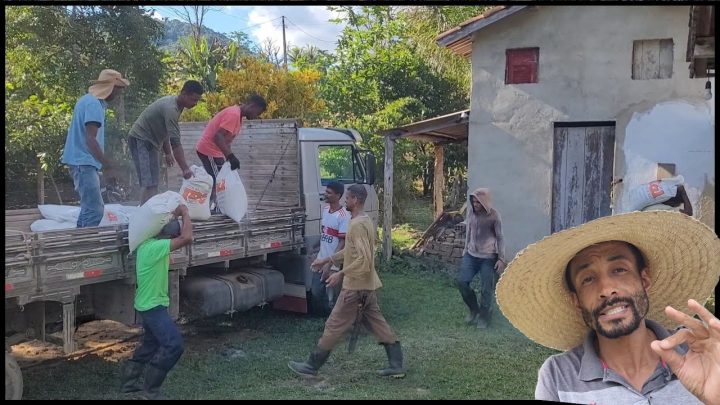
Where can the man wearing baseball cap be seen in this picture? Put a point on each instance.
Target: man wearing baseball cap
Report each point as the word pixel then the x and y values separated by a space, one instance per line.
pixel 85 144
pixel 606 293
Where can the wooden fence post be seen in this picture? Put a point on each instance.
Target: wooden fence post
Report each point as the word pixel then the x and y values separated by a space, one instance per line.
pixel 388 198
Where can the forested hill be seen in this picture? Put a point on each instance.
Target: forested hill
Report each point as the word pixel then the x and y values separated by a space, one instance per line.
pixel 174 29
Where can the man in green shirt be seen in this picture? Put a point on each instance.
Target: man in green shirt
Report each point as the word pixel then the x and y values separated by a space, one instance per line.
pixel 157 127
pixel 162 344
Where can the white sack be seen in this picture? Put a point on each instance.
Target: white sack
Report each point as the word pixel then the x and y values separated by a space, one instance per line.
pixel 196 192
pixel 42 225
pixel 231 196
pixel 654 192
pixel 150 218
pixel 60 213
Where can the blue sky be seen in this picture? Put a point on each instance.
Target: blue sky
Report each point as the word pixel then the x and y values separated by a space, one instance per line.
pixel 304 24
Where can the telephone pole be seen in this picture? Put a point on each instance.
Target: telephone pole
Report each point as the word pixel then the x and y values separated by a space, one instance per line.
pixel 284 44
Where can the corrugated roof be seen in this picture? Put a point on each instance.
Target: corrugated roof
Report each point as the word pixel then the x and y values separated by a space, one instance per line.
pixel 447 128
pixel 459 39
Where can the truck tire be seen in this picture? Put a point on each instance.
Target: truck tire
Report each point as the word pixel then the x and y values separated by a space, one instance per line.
pixel 13 378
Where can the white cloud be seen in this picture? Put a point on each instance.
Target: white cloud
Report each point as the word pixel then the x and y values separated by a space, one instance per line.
pixel 156 15
pixel 304 25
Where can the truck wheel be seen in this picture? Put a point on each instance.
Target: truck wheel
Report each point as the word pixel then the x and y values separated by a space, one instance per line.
pixel 13 378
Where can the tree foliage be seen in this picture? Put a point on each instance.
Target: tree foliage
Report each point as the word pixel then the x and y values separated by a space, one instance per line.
pixel 381 79
pixel 290 94
pixel 387 71
pixel 52 54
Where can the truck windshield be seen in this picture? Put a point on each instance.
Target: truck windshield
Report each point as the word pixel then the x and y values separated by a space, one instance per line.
pixel 338 163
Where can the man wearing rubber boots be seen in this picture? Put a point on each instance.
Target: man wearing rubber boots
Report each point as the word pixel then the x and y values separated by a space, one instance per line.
pixel 357 301
pixel 162 344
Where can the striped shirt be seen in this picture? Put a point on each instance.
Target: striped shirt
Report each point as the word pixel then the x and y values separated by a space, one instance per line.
pixel 579 376
pixel 334 227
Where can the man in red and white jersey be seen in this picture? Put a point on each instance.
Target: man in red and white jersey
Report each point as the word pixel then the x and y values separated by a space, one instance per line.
pixel 335 221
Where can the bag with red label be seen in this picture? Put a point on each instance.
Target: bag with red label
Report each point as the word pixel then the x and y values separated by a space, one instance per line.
pixel 196 192
pixel 655 192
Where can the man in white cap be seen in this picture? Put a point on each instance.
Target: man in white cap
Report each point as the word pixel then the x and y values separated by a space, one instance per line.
pixel 85 144
pixel 606 292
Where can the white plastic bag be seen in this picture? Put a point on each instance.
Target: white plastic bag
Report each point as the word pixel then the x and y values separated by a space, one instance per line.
pixel 42 225
pixel 150 218
pixel 654 192
pixel 231 196
pixel 196 191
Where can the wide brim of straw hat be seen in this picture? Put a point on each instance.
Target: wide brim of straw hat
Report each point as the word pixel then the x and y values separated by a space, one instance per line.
pixel 682 255
pixel 108 79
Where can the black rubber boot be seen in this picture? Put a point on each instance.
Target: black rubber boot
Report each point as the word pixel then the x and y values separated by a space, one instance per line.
pixel 483 319
pixel 317 358
pixel 470 299
pixel 130 375
pixel 154 378
pixel 395 358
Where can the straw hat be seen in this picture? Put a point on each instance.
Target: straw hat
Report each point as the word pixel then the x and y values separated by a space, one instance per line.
pixel 108 79
pixel 682 255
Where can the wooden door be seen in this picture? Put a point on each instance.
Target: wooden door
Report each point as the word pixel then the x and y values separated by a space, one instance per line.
pixel 583 155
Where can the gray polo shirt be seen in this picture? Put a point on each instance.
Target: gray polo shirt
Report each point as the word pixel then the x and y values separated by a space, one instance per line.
pixel 159 121
pixel 579 376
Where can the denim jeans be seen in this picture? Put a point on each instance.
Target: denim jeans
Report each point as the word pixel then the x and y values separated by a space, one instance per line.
pixel 323 297
pixel 87 185
pixel 162 344
pixel 470 266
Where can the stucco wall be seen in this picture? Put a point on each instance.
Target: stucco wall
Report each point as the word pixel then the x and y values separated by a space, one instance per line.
pixel 584 74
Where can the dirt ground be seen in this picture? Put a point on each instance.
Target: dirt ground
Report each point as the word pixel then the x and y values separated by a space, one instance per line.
pixel 115 342
pixel 111 340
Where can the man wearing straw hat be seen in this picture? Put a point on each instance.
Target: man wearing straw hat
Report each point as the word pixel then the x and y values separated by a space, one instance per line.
pixel 157 128
pixel 85 144
pixel 606 292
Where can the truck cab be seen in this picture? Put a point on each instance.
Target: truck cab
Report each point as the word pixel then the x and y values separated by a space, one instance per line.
pixel 333 155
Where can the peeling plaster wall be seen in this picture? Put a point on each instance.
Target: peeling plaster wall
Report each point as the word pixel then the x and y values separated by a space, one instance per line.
pixel 680 132
pixel 584 74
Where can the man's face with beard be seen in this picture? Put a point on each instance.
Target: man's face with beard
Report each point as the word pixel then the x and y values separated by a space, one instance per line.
pixel 610 291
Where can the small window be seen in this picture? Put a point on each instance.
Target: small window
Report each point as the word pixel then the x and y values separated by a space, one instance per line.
pixel 336 164
pixel 652 59
pixel 521 65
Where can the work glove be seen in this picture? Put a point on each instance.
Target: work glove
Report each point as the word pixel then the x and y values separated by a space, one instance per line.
pixel 234 162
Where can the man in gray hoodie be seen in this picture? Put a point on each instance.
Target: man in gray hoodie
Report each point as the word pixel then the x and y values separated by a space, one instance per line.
pixel 484 253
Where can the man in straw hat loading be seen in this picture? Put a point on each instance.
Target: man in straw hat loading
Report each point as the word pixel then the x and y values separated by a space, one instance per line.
pixel 357 302
pixel 606 291
pixel 157 127
pixel 85 144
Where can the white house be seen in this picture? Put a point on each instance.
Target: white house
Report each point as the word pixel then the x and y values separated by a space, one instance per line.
pixel 572 106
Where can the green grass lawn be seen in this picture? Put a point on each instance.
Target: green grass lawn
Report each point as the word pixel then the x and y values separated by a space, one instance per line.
pixel 245 357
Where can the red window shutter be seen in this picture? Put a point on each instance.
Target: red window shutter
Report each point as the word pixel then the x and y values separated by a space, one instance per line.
pixel 521 65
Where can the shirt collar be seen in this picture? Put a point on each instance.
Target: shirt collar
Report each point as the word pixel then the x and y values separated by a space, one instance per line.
pixel 592 367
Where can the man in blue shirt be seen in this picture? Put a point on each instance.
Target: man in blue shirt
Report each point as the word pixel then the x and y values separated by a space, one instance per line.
pixel 85 144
